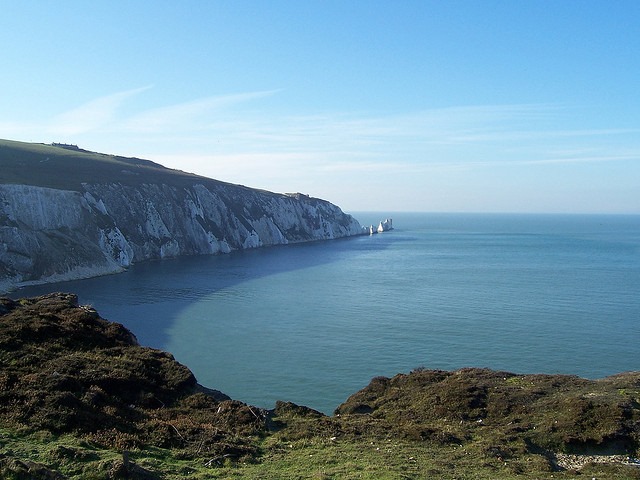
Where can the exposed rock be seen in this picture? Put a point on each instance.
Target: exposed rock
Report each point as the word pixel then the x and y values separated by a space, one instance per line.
pixel 76 215
pixel 26 470
pixel 65 369
pixel 385 225
pixel 513 413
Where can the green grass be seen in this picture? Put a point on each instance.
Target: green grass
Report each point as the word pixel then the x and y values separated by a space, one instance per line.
pixel 313 458
pixel 57 167
pixel 76 391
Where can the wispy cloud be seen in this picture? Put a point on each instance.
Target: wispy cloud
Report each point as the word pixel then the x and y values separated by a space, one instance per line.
pixel 528 135
pixel 252 146
pixel 586 159
pixel 92 115
pixel 188 115
pixel 101 115
pixel 232 138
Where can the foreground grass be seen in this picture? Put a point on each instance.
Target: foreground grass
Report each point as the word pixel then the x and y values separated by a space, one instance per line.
pixel 314 458
pixel 80 399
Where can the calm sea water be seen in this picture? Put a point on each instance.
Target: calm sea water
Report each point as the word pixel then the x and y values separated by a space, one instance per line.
pixel 313 323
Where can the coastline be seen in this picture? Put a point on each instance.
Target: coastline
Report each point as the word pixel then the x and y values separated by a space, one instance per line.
pixel 486 423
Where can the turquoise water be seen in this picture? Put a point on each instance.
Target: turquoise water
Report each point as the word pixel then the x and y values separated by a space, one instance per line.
pixel 313 323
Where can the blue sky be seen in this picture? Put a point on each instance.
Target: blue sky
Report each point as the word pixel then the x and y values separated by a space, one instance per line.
pixel 494 106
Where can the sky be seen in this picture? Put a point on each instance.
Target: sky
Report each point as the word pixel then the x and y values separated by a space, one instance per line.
pixel 404 105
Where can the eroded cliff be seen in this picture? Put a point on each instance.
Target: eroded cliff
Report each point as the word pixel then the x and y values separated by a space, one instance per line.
pixel 68 214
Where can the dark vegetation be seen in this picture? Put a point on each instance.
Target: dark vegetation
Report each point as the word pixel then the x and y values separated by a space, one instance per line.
pixel 41 165
pixel 66 370
pixel 79 398
pixel 509 414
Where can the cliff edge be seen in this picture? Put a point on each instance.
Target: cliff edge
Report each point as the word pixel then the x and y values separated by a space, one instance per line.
pixel 79 398
pixel 67 213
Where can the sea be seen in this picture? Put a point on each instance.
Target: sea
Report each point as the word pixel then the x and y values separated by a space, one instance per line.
pixel 312 323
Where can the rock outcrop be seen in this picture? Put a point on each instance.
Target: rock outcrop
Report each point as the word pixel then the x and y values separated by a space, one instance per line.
pixel 67 214
pixel 383 226
pixel 64 369
pixel 83 386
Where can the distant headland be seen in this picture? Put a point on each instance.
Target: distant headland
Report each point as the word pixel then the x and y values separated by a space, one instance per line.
pixel 68 213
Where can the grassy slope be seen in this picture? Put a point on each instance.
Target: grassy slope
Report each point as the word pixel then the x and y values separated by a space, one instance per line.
pixel 77 391
pixel 41 165
pixel 314 457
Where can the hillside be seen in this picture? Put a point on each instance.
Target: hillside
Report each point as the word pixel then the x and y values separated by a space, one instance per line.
pixel 80 399
pixel 66 213
pixel 68 167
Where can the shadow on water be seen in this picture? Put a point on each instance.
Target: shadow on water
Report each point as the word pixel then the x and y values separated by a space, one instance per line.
pixel 149 297
pixel 312 323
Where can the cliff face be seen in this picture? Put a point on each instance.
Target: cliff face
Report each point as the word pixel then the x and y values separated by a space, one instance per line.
pixel 65 369
pixel 94 227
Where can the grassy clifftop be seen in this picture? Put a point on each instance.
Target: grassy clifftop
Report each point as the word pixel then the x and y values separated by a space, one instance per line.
pixel 66 167
pixel 80 399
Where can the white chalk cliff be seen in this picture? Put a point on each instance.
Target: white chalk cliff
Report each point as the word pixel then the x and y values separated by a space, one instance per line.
pixel 383 226
pixel 104 220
